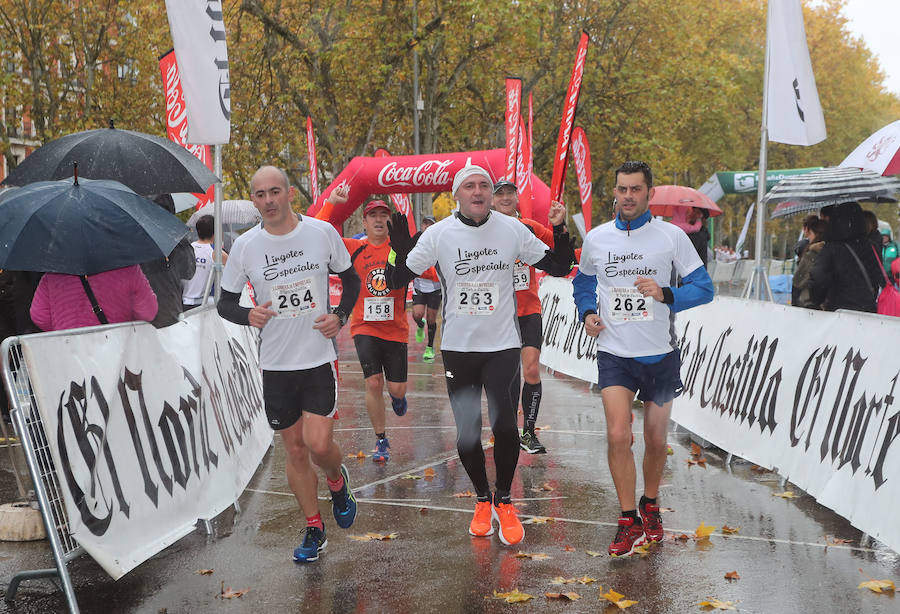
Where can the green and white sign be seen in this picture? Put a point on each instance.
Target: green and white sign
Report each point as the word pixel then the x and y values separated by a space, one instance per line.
pixel 739 182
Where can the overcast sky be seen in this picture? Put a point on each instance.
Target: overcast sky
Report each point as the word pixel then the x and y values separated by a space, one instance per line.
pixel 877 23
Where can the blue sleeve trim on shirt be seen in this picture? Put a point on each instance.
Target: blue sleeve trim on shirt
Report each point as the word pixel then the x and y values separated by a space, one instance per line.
pixel 696 289
pixel 584 291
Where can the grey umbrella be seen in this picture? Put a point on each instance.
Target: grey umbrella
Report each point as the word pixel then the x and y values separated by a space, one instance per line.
pixel 145 163
pixel 831 186
pixel 235 213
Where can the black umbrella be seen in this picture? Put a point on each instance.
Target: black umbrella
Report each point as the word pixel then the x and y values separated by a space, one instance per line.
pixel 145 163
pixel 82 227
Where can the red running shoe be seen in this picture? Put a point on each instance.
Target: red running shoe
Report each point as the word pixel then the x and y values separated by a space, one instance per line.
pixel 653 528
pixel 627 538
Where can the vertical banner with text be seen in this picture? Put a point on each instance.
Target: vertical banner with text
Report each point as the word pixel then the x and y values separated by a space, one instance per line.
pixel 523 176
pixel 176 119
pixel 561 159
pixel 198 34
pixel 313 163
pixel 513 106
pixel 581 157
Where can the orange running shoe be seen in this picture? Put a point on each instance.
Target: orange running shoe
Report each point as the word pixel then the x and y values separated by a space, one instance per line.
pixel 482 524
pixel 511 529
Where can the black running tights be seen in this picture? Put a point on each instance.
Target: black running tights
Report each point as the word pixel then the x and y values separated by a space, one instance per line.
pixel 498 374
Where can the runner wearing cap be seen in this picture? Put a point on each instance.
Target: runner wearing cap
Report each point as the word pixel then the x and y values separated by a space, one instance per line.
pixel 475 253
pixel 378 324
pixel 426 301
pixel 506 201
pixel 633 261
pixel 287 262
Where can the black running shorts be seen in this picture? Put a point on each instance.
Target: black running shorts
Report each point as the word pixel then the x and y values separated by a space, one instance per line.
pixel 378 355
pixel 429 299
pixel 531 330
pixel 287 394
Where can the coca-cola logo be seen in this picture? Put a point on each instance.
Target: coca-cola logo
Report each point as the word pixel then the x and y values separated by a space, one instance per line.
pixel 431 173
pixel 880 147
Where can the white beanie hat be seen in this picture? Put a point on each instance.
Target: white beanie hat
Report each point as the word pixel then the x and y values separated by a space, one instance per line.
pixel 467 171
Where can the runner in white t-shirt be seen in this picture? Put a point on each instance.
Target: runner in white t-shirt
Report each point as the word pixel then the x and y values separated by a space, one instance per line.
pixel 633 261
pixel 474 252
pixel 192 289
pixel 287 259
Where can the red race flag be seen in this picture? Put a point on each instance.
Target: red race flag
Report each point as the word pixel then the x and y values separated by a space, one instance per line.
pixel 313 166
pixel 176 119
pixel 513 107
pixel 401 201
pixel 581 157
pixel 523 173
pixel 568 121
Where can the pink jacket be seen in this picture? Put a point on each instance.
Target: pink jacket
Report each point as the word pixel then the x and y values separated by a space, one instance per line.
pixel 679 218
pixel 60 301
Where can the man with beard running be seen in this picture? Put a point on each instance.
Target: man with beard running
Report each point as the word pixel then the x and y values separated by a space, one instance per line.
pixel 633 261
pixel 474 252
pixel 528 309
pixel 378 324
pixel 287 260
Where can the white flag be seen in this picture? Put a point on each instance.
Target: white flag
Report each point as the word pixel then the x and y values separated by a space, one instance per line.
pixel 198 33
pixel 794 115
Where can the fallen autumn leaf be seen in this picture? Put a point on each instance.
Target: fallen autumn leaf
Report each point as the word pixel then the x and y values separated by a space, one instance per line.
pixel 538 520
pixel 715 604
pixel 730 530
pixel 465 493
pixel 877 586
pixel 229 593
pixel 561 580
pixel 617 599
pixel 370 537
pixel 703 531
pixel 788 494
pixel 572 596
pixel 534 556
pixel 732 575
pixel 205 572
pixel 513 596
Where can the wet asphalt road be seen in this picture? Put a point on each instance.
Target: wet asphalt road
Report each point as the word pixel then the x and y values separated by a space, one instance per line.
pixel 433 565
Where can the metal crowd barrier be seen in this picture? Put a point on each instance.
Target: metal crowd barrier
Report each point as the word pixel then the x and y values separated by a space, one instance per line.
pixel 30 430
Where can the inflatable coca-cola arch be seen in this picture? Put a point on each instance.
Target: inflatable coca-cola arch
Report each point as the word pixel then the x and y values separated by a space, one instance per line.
pixel 418 174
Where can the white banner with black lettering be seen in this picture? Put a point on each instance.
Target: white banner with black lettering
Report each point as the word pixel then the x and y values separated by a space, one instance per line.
pixel 565 347
pixel 809 393
pixel 198 35
pixel 150 430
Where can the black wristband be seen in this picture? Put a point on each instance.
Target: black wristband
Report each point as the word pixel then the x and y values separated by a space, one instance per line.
pixel 341 314
pixel 668 297
pixel 587 313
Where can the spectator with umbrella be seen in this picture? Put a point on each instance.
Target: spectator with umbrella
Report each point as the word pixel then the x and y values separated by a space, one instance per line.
pixel 689 210
pixel 166 274
pixel 814 233
pixel 89 237
pixel 847 273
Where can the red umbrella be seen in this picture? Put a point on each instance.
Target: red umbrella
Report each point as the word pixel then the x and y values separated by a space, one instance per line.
pixel 667 197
